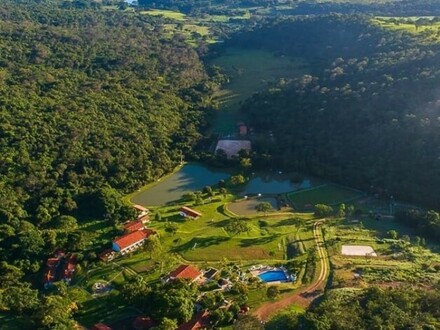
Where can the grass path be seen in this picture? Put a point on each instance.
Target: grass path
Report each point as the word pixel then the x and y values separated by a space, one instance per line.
pixel 305 296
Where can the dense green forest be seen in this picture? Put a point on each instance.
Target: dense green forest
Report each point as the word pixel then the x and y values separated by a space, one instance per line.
pixel 373 308
pixel 92 104
pixel 368 113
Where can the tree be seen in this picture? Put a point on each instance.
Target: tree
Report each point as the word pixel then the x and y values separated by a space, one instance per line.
pixel 392 234
pixel 56 313
pixel 153 245
pixel 288 320
pixel 171 228
pixel 341 211
pixel 322 210
pixel 237 226
pixel 272 292
pixel 66 223
pixel 237 180
pixel 223 191
pixel 245 164
pixel 166 324
pixel 248 322
pixel 264 207
pixel 19 298
pixel 158 216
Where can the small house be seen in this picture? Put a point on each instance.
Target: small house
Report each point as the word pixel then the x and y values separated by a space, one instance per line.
pixel 101 326
pixel 189 213
pixel 187 272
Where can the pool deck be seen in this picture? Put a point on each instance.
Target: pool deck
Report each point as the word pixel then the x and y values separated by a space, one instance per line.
pixel 258 270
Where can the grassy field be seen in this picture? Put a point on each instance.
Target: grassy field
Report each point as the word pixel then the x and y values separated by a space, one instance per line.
pixel 329 194
pixel 175 15
pixel 250 71
pixel 397 261
pixel 429 32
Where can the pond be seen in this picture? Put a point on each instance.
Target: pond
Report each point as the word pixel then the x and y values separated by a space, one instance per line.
pixel 192 177
pixel 189 178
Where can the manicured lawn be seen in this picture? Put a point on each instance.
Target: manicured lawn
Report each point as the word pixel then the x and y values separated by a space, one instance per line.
pixel 330 194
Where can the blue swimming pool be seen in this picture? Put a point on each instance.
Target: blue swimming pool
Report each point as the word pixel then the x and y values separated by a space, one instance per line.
pixel 273 276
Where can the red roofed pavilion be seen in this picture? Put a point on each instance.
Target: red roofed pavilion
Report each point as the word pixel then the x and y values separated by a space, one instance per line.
pixel 187 212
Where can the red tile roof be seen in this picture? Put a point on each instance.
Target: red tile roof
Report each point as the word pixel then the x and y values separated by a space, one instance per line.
pixel 133 225
pixel 185 271
pixel 190 212
pixel 101 326
pixel 130 239
pixel 199 321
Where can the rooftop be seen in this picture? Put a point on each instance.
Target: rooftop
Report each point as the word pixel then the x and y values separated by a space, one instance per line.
pixel 185 271
pixel 132 238
pixel 199 321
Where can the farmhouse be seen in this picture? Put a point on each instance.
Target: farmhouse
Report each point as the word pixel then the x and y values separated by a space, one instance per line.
pixel 132 241
pixel 190 213
pixel 184 272
pixel 233 147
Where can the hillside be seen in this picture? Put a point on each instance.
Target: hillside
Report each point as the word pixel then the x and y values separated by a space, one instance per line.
pixel 367 115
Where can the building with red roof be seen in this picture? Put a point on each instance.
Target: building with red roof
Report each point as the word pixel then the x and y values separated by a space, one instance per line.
pixel 185 272
pixel 131 241
pixel 198 322
pixel 187 212
pixel 101 326
pixel 132 226
pixel 69 268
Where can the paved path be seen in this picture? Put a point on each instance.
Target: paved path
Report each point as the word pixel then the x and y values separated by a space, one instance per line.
pixel 305 296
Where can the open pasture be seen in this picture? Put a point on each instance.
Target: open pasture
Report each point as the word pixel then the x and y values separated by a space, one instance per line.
pixel 329 194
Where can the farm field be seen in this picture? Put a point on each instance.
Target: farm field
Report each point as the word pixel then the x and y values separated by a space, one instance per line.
pixel 329 194
pixel 250 71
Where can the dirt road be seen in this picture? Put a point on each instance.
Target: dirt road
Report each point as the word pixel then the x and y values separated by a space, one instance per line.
pixel 306 295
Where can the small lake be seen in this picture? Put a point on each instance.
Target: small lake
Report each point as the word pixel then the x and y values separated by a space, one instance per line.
pixel 189 178
pixel 192 177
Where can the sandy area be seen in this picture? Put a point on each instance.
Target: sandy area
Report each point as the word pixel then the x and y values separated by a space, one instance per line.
pixel 358 250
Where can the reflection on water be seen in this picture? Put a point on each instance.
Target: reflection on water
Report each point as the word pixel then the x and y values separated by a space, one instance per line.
pixel 194 177
pixel 190 178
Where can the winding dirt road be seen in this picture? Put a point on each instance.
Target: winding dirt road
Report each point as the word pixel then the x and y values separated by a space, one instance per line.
pixel 304 296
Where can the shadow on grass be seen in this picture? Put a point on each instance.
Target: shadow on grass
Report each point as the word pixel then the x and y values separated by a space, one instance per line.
pixel 201 242
pixel 258 241
pixel 288 222
pixel 220 224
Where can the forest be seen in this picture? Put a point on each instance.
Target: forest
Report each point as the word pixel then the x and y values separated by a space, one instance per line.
pixel 93 104
pixel 365 115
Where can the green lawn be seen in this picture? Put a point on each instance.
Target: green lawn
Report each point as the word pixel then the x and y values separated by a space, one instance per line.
pixel 329 194
pixel 430 33
pixel 250 70
pixel 178 16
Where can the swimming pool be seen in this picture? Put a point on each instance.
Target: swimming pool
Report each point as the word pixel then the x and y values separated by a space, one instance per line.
pixel 273 276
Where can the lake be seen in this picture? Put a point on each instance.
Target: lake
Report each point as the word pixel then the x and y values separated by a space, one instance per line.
pixel 192 177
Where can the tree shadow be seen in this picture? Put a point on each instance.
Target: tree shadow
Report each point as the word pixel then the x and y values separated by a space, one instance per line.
pixel 258 241
pixel 201 242
pixel 288 222
pixel 220 224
